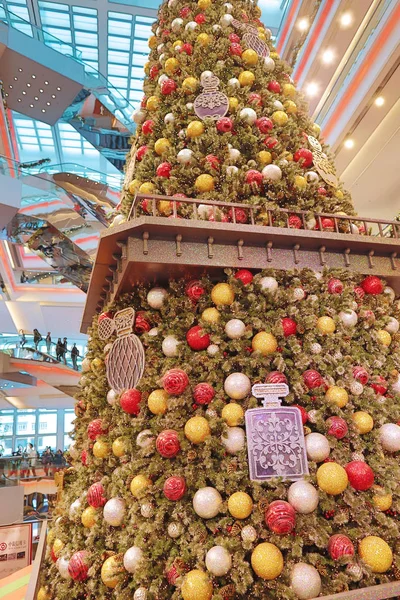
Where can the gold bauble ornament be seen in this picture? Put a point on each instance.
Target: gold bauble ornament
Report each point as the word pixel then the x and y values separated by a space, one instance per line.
pixel 190 85
pixel 96 364
pixel 267 561
pixel 158 402
pixel 233 104
pixel 195 129
pixel 112 570
pixel 300 182
pixel 257 13
pixel 332 478
pixel 42 594
pixel 280 118
pixel 246 78
pixel 233 414
pixel 274 56
pixel 147 188
pixel 161 146
pixel 152 103
pixel 363 421
pixel 101 449
pixel 134 186
pixel 326 325
pixel 153 41
pixel 165 207
pixel 197 430
pixel 382 500
pixel 196 586
pixel 204 4
pixel 376 553
pixel 89 517
pixel 316 130
pixel 171 66
pixel 339 194
pixel 240 505
pixel 211 315
pixel 265 157
pixel 289 90
pixel 337 395
pixel 222 294
pixel 58 545
pixel 265 343
pixel 384 337
pixel 147 68
pixel 204 183
pixel 139 484
pixel 290 107
pixel 119 447
pixel 177 43
pixel 250 57
pixel 204 39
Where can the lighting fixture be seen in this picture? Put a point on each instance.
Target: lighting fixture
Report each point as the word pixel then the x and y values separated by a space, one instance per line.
pixel 19 100
pixel 303 24
pixel 33 76
pixel 379 101
pixel 24 92
pixel 46 83
pixel 36 98
pixel 41 91
pixel 59 89
pixel 53 95
pixel 48 103
pixel 43 110
pixel 328 56
pixel 20 70
pixel 31 105
pixel 15 78
pixel 312 89
pixel 11 87
pixel 28 85
pixel 349 143
pixel 346 19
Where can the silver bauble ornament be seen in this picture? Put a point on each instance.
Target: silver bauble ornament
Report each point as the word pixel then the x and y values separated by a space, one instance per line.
pixel 86 365
pixel 237 386
pixel 62 566
pixel 348 317
pixel 207 502
pixel 269 64
pixel 226 20
pixel 170 346
pixel 174 530
pixel 169 118
pixel 303 497
pixel 233 439
pixel 140 594
pixel 316 348
pixel 112 397
pixel 392 325
pixel 73 450
pixel 249 533
pixel 156 297
pixel 234 82
pixel 235 329
pixel 218 561
pixel 133 558
pixel 153 332
pixel 311 176
pixel 272 173
pixel 145 439
pixel 147 510
pixel 177 25
pixel 114 512
pixel 184 156
pixel 248 115
pixel 231 170
pixel 317 447
pixel 212 349
pixel 389 436
pixel 356 388
pixel 305 581
pixel 234 154
pixel 268 284
pixel 74 509
pixel 191 26
pixel 139 116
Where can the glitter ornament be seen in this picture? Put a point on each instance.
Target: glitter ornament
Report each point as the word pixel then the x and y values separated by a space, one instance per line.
pixel 356 388
pixel 337 395
pixel 207 502
pixel 222 294
pixel 89 517
pixel 363 422
pixel 197 430
pixel 74 508
pixel 130 401
pixel 73 450
pixel 218 561
pixel 78 567
pixel 197 338
pixel 170 346
pixel 248 115
pixel 248 534
pixel 340 545
pixel 376 553
pixel 62 565
pixel 269 284
pixel 112 571
pixel 384 337
pixel 167 443
pixel 381 499
pixel 389 437
pixel 233 439
pixel 112 397
pixel 86 365
pixel 317 447
pixel 392 325
pixel 101 449
pixel 203 393
pixel 114 512
pixel 133 558
pixel 235 329
pixel 267 561
pixel 361 476
pixel 326 325
pixel 280 517
pixel 140 594
pixel 96 428
pixel 372 285
pixel 145 438
pixel 175 381
pixel 272 173
pixel 305 581
pixel 337 427
pixel 264 343
pixel 233 414
pixel 355 571
pixel 240 505
pixel 158 402
pixel 303 497
pixel 196 584
pixel 212 350
pixel 139 484
pixel 147 510
pixel 174 530
pixel 349 318
pixel 237 386
pixel 174 488
pixel 312 379
pixel 332 478
pixel 316 348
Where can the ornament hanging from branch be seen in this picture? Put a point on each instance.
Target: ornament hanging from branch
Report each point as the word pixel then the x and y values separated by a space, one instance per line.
pixel 126 359
pixel 252 39
pixel 321 163
pixel 212 103
pixel 275 436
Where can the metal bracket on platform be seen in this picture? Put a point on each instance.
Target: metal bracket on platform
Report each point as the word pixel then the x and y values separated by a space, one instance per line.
pixel 322 258
pixel 145 237
pixel 296 249
pixel 210 242
pixel 178 240
pixel 269 251
pixel 370 261
pixel 240 245
pixel 393 257
pixel 347 257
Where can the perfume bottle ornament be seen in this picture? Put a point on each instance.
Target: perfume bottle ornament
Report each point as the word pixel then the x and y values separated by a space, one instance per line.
pixel 212 103
pixel 321 163
pixel 252 39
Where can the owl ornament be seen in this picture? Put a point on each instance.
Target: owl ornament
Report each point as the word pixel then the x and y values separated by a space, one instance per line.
pixel 321 163
pixel 212 103
pixel 252 39
pixel 126 359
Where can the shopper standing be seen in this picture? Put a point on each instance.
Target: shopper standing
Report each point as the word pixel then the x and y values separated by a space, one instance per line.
pixel 37 338
pixel 59 349
pixel 74 356
pixel 48 342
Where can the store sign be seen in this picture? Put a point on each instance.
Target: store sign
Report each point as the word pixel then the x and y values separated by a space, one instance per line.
pixel 15 548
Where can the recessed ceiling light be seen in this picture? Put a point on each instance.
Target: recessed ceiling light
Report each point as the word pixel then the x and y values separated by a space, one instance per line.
pixel 11 87
pixel 41 91
pixel 46 83
pixel 33 76
pixel 328 56
pixel 380 101
pixel 349 144
pixel 346 19
pixel 303 24
pixel 48 103
pixel 24 93
pixel 19 100
pixel 53 95
pixel 36 98
pixel 59 89
pixel 31 105
pixel 43 110
pixel 28 85
pixel 20 70
pixel 15 78
pixel 312 89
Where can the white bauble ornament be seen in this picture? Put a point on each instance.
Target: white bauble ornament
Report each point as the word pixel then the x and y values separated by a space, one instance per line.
pixel 182 134
pixel 170 346
pixel 317 447
pixel 269 64
pixel 169 118
pixel 237 386
pixel 234 82
pixel 114 511
pixel 62 566
pixel 312 415
pixel 359 456
pixel 218 561
pixel 177 25
pixel 389 436
pixel 112 396
pixel 189 106
pixel 233 439
pixel 303 497
pixel 226 20
pixel 191 26
pixel 138 116
pixel 228 7
pixel 217 28
pixel 74 509
pixel 272 173
pixel 147 510
pixel 174 530
pixel 390 293
pixel 355 571
pixel 204 211
pixel 311 176
pixel 158 31
pixel 392 325
pixel 212 349
pixel 140 594
pixel 395 386
pixel 117 220
pixel 283 162
pixel 235 328
pixel 211 413
pixel 162 57
pixel 298 294
pixel 73 450
pixel 145 439
pixel 316 348
pixel 305 581
pixel 354 229
pixel 160 48
pixel 268 35
pixel 248 115
pixel 269 284
pixel 311 223
pixel 231 171
pixel 153 332
pixel 207 502
pixel 249 533
pixel 349 318
pixel 234 154
pixel 162 78
pixel 184 156
pixel 86 365
pixel 356 388
pixel 133 557
pixel 278 105
pixel 156 297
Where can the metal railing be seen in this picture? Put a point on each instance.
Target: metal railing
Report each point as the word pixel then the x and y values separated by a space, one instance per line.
pixel 27 350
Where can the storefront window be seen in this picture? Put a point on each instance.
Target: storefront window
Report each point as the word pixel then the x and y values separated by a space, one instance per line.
pixel 6 423
pixel 26 423
pixel 69 417
pixel 6 447
pixel 67 441
pixel 23 442
pixel 47 423
pixel 47 440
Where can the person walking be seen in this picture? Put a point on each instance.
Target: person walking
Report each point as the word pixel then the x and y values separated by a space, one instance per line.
pixel 32 458
pixel 64 350
pixel 74 356
pixel 22 340
pixel 48 342
pixel 37 338
pixel 59 349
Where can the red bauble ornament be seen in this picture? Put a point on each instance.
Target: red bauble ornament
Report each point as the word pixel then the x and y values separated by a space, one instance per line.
pixel 96 428
pixel 164 170
pixel 130 401
pixel 361 476
pixel 203 393
pixel 148 127
pixel 154 71
pixel 168 87
pixel 84 458
pixel 143 102
pixel 167 443
pixel 328 224
pixel 312 379
pixel 340 545
pixel 270 142
pixel 238 215
pixel 78 566
pixel 304 157
pixel 224 124
pixel 244 275
pixel 337 427
pixel 236 49
pixel 175 382
pixel 200 19
pixel 304 413
pixel 372 285
pixel 96 495
pixel 276 377
pixel 197 338
pixel 289 326
pixel 255 98
pixel 104 315
pixel 335 286
pixel 174 488
pixel 234 38
pixel 253 176
pixel 380 385
pixel 187 48
pixel 53 556
pixel 185 12
pixel 280 517
pixel 264 124
pixel 141 152
pixel 274 87
pixel 213 161
pixel 142 324
pixel 322 191
pixel 359 293
pixel 295 222
pixel 194 290
pixel 361 374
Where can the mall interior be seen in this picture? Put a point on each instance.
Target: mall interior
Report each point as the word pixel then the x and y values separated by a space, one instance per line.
pixel 71 81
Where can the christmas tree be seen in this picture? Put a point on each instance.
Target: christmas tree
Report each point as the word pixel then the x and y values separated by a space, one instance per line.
pixel 160 503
